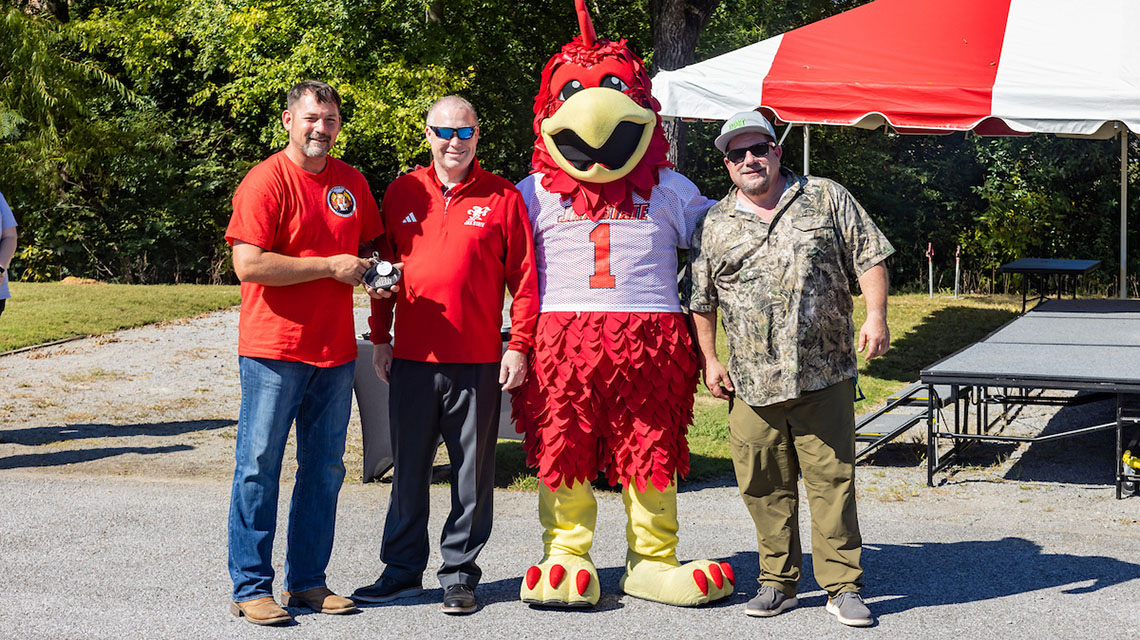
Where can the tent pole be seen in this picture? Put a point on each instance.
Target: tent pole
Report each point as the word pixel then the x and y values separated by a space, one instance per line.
pixel 807 147
pixel 1123 212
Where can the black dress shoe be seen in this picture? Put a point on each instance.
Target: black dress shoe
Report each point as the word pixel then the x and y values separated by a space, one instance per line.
pixel 459 599
pixel 387 589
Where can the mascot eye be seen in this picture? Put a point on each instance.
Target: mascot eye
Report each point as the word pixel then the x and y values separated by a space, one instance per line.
pixel 614 82
pixel 569 89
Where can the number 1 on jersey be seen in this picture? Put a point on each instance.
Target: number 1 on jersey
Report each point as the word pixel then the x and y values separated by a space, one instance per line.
pixel 602 278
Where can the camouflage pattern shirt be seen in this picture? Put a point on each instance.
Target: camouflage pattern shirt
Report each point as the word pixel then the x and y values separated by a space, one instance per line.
pixel 782 287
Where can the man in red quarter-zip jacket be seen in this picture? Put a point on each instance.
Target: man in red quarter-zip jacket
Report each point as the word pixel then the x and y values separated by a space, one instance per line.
pixel 462 234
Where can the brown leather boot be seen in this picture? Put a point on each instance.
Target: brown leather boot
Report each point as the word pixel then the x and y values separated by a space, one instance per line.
pixel 262 611
pixel 321 600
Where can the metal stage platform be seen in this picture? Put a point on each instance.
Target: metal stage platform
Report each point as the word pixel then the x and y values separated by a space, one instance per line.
pixel 1079 345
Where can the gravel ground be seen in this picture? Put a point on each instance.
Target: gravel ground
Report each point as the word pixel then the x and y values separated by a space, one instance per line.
pixel 115 455
pixel 159 402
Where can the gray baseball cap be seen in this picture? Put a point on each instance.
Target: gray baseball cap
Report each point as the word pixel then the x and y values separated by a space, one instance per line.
pixel 743 122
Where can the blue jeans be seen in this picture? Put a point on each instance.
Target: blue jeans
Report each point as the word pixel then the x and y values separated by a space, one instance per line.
pixel 273 394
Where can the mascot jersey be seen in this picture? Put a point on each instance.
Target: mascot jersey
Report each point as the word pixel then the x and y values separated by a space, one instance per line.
pixel 614 370
pixel 624 261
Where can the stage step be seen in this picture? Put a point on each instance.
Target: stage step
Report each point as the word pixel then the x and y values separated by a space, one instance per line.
pixel 902 411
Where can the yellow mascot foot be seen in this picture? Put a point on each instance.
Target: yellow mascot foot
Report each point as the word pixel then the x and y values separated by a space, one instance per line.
pixel 564 581
pixel 652 571
pixel 668 581
pixel 566 577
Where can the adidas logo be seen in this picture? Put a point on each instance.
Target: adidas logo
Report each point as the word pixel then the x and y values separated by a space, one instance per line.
pixel 410 218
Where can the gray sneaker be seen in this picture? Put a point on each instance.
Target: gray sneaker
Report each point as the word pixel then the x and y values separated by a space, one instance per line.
pixel 849 608
pixel 769 601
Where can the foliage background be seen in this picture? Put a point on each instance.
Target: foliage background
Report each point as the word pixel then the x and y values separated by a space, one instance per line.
pixel 126 125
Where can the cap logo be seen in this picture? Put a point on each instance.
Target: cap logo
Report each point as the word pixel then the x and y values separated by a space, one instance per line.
pixel 739 123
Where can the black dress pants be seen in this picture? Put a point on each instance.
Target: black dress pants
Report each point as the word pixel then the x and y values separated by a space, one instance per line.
pixel 460 403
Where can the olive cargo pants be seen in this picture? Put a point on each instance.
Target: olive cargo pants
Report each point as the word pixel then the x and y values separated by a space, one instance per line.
pixel 812 436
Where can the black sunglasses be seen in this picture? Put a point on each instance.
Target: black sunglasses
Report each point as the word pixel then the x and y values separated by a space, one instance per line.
pixel 464 133
pixel 759 150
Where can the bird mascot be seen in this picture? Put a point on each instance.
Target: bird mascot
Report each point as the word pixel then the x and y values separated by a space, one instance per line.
pixel 613 373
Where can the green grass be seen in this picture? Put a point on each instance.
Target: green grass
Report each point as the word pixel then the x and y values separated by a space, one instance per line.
pixel 511 471
pixel 923 330
pixel 43 312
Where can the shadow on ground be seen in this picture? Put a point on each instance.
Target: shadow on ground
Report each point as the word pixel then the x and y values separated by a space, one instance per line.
pixel 952 573
pixel 1080 459
pixel 971 571
pixel 62 434
pixel 902 452
pixel 1083 459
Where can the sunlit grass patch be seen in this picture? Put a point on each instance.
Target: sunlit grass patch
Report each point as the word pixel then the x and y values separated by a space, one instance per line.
pixel 45 312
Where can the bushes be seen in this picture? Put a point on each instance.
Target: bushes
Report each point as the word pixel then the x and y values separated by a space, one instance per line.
pixel 131 181
pixel 124 131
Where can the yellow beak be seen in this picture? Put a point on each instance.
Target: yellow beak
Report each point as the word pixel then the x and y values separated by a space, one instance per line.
pixel 585 127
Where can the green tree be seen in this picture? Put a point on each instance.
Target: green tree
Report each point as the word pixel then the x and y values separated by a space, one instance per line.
pixel 51 135
pixel 125 126
pixel 137 189
pixel 1047 197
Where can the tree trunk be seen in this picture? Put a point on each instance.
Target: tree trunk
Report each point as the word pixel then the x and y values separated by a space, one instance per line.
pixel 434 11
pixel 676 26
pixel 57 8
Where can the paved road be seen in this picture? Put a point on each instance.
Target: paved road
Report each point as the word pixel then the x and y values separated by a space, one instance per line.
pixel 107 557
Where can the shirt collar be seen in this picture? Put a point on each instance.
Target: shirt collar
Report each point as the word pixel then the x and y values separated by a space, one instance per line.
pixel 792 184
pixel 471 175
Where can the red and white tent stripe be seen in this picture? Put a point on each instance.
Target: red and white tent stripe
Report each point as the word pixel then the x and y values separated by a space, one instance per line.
pixel 996 67
pixel 993 66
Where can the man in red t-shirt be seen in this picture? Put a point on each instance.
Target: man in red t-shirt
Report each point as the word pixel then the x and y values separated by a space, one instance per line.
pixel 464 236
pixel 299 218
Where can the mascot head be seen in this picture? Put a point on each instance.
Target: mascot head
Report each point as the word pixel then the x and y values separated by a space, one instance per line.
pixel 598 138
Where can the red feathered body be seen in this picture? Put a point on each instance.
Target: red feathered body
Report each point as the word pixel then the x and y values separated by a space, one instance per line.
pixel 609 392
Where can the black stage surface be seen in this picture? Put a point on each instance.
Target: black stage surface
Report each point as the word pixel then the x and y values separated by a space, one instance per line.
pixel 1082 345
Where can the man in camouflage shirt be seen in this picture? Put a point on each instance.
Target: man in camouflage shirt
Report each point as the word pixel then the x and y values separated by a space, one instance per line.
pixel 775 256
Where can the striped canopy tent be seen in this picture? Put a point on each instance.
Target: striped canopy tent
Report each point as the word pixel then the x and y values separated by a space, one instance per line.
pixel 995 67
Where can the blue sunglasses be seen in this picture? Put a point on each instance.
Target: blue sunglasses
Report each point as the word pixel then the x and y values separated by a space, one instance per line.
pixel 464 133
